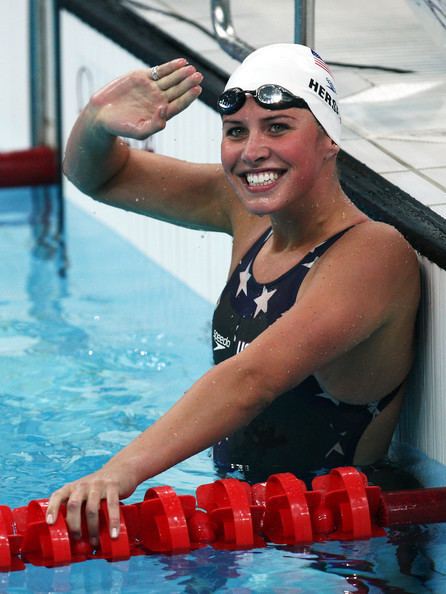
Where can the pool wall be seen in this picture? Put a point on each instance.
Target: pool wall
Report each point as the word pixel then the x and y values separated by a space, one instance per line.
pixel 422 424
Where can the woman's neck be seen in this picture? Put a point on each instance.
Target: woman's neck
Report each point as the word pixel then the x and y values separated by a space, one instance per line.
pixel 312 221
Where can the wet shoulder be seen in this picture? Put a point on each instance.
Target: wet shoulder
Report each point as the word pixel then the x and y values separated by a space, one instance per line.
pixel 370 253
pixel 373 239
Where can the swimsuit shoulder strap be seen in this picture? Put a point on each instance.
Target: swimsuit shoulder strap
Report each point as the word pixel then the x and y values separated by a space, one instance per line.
pixel 256 246
pixel 326 244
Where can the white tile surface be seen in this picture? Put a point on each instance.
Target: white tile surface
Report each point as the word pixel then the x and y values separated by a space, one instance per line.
pixel 438 175
pixel 416 154
pixel 440 209
pixel 348 134
pixel 372 156
pixel 418 187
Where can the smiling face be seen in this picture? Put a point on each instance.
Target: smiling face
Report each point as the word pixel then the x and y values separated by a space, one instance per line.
pixel 273 158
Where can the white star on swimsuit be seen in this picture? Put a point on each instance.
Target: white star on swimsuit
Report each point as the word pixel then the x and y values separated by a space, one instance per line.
pixel 336 448
pixel 373 409
pixel 310 264
pixel 244 278
pixel 262 301
pixel 328 397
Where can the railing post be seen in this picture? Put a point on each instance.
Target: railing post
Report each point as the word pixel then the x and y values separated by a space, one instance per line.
pixel 304 22
pixel 43 35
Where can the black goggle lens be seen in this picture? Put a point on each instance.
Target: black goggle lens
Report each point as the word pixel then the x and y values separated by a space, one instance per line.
pixel 267 96
pixel 231 101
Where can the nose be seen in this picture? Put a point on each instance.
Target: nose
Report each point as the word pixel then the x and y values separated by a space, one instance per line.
pixel 255 149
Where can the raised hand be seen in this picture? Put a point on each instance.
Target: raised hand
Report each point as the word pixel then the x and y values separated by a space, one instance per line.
pixel 136 106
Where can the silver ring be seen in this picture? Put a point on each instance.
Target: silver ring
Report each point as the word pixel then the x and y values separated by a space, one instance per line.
pixel 154 73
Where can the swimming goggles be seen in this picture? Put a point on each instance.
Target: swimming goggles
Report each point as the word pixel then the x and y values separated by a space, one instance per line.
pixel 267 96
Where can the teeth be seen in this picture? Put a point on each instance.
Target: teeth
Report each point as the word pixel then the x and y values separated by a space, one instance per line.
pixel 261 179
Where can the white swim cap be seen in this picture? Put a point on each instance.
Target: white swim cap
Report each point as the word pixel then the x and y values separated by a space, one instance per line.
pixel 300 70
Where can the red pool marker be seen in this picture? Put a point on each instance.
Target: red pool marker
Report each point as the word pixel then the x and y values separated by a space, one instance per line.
pixel 31 167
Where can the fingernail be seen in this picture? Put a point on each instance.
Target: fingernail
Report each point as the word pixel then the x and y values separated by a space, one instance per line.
pixel 114 533
pixel 50 519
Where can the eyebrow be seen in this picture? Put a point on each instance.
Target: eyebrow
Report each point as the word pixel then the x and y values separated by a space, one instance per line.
pixel 266 119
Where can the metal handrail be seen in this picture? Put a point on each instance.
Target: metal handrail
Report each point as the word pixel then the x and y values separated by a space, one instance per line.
pixel 225 31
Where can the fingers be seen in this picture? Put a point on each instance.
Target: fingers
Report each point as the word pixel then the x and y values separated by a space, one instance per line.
pixel 184 87
pixel 84 497
pixel 114 518
pixel 179 104
pixel 187 73
pixel 54 503
pixel 92 516
pixel 168 68
pixel 181 84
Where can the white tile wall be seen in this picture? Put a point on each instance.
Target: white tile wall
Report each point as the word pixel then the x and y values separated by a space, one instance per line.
pixel 418 187
pixel 368 153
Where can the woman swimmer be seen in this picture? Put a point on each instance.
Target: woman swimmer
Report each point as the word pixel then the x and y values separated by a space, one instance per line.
pixel 325 298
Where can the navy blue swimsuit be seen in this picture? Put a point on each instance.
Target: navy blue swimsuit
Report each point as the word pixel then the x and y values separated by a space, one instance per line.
pixel 304 429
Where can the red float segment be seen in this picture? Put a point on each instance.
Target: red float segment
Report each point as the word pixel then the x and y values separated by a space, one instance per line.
pixel 287 516
pixel 32 167
pixel 163 520
pixel 346 493
pixel 236 519
pixel 10 542
pixel 132 520
pixel 43 543
pixel 112 549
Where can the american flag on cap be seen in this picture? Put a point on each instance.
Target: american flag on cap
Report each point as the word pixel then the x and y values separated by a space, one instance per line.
pixel 320 62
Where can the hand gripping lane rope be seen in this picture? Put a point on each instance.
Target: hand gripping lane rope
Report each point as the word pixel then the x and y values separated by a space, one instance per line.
pixel 226 514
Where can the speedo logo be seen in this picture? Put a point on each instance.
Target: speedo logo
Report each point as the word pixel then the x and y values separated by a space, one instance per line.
pixel 323 94
pixel 221 342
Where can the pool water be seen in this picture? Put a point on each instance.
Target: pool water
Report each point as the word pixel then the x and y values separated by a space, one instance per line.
pixel 96 342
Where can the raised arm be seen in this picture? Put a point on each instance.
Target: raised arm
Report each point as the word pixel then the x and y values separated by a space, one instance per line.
pixel 100 163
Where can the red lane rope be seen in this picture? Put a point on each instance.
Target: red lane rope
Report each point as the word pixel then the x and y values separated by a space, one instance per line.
pixel 226 514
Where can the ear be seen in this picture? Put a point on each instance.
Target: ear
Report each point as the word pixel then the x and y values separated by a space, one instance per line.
pixel 332 150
